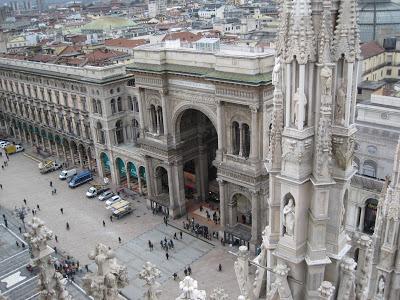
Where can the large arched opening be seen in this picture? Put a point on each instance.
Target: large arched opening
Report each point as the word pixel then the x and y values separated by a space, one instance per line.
pixel 121 171
pixel 197 138
pixel 371 207
pixel 105 163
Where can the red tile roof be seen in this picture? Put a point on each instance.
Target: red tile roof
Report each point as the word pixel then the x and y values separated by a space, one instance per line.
pixel 371 49
pixel 183 36
pixel 125 43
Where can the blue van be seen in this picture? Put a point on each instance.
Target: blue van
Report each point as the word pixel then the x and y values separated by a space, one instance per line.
pixel 80 178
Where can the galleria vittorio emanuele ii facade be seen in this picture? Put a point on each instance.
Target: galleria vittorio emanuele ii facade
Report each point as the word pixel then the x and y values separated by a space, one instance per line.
pixel 268 136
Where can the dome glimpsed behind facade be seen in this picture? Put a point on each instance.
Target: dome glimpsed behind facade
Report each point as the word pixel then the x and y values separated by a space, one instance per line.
pixel 378 20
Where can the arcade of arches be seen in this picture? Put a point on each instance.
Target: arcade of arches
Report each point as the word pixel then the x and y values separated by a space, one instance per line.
pixel 74 152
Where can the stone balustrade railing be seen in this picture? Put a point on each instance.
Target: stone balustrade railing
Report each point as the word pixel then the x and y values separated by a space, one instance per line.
pixel 92 72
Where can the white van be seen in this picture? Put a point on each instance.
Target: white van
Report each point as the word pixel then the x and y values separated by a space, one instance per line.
pixel 19 148
pixel 67 173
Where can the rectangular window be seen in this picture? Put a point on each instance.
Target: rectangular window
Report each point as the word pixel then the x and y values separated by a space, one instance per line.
pixel 389 72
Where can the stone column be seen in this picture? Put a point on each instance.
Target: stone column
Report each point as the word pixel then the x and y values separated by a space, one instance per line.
pixel 148 176
pixel 128 177
pixel 72 155
pixel 347 279
pixel 222 205
pixel 220 130
pixel 361 225
pixel 180 188
pixel 64 152
pixel 57 150
pixel 140 184
pixel 255 214
pixel 364 267
pixel 80 158
pixel 141 112
pixel 349 88
pixel 241 139
pixel 254 133
pixel 89 158
pixel 164 113
pixel 158 122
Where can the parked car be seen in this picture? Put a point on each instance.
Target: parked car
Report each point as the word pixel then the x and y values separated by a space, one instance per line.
pixel 112 200
pixel 96 189
pixel 106 195
pixel 4 144
pixel 67 173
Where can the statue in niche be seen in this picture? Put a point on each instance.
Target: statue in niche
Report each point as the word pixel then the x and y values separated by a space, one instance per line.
pixel 326 79
pixel 381 286
pixel 340 100
pixel 296 106
pixel 289 217
pixel 276 72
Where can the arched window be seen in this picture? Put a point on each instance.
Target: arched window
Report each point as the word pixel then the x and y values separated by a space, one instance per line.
pixel 371 207
pixel 119 104
pixel 94 103
pixel 246 140
pixel 369 168
pixel 235 138
pixel 130 103
pixel 99 107
pixel 153 116
pixel 119 132
pixel 135 104
pixel 113 107
pixel 135 129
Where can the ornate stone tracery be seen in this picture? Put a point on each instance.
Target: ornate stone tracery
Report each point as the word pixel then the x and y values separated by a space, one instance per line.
pixel 109 276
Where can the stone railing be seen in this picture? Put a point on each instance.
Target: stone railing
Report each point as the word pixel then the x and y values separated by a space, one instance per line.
pixel 87 71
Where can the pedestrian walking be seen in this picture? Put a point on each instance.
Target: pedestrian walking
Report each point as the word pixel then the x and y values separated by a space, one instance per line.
pixel 175 276
pixel 180 233
pixel 149 245
pixel 55 250
pixel 55 191
pixel 16 242
pixel 175 236
pixel 6 223
pixel 23 245
pixel 37 206
pixel 25 201
pixel 104 224
pixel 167 255
pixel 56 238
pixel 2 167
pixel 111 218
pixel 219 267
pixel 87 268
pixel 185 272
pixel 4 216
pixel 62 210
pixel 1 186
pixel 189 270
pixel 51 183
pixel 20 230
pixel 67 225
pixel 77 264
pixel 119 240
pixel 33 212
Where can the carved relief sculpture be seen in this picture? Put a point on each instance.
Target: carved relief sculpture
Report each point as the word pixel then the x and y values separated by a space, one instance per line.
pixel 190 291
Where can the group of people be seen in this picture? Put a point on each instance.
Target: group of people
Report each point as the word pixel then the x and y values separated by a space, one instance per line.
pixel 67 267
pixel 187 271
pixel 215 216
